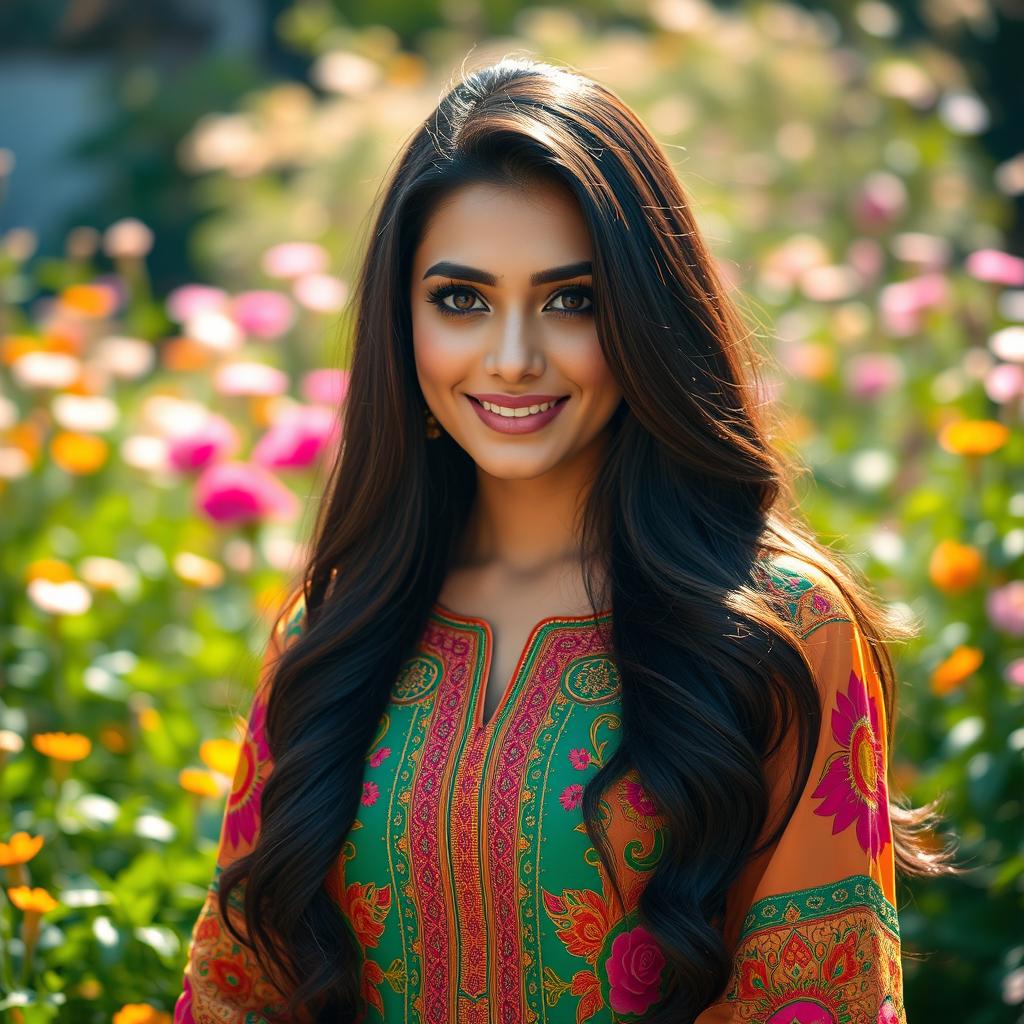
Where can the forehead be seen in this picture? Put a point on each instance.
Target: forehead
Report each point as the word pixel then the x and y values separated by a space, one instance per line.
pixel 507 229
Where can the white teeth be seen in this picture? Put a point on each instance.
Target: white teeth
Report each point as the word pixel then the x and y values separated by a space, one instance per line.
pixel 526 410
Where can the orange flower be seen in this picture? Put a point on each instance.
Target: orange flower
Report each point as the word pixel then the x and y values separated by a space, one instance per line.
pixel 185 354
pixel 52 569
pixel 32 901
pixel 954 567
pixel 955 669
pixel 149 719
pixel 20 850
pixel 17 345
pixel 220 756
pixel 973 437
pixel 62 746
pixel 200 571
pixel 91 300
pixel 113 738
pixel 28 437
pixel 141 1013
pixel 78 453
pixel 195 780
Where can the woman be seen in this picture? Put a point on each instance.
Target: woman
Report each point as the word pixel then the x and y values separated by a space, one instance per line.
pixel 571 717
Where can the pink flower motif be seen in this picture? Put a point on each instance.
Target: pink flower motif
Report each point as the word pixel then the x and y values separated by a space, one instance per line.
pixel 297 438
pixel 887 1012
pixel 243 809
pixel 639 800
pixel 325 386
pixel 370 794
pixel 238 492
pixel 572 796
pixel 378 756
pixel 1005 607
pixel 201 443
pixel 634 971
pixel 263 314
pixel 579 759
pixel 852 785
pixel 802 1011
pixel 996 266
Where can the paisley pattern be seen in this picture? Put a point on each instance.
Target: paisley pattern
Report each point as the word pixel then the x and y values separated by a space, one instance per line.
pixel 475 894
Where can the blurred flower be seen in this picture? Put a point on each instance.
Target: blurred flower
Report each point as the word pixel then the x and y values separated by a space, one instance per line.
pixel 963 112
pixel 345 72
pixel 1014 672
pixel 867 259
pixel 127 239
pixel 149 719
pixel 1005 382
pixel 321 293
pixel 220 756
pixel 263 314
pixel 10 742
pixel 954 567
pixel 297 438
pixel 808 360
pixel 250 378
pixel 107 574
pixel 962 663
pixel 87 413
pixel 141 451
pixel 141 1013
pixel 53 569
pixel 62 746
pixel 70 598
pixel 20 849
pixel 237 492
pixel 325 386
pixel 199 444
pixel 873 469
pixel 15 346
pixel 903 303
pixel 81 243
pixel 973 437
pixel 996 266
pixel 871 374
pixel 191 299
pixel 126 358
pixel 32 901
pixel 78 453
pixel 114 738
pixel 927 252
pixel 294 259
pixel 195 569
pixel 19 243
pixel 880 200
pixel 1005 607
pixel 45 370
pixel 1008 344
pixel 170 415
pixel 215 330
pixel 94 301
pixel 202 783
pixel 185 355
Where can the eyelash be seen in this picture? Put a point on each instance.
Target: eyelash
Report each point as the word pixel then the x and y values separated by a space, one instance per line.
pixel 441 292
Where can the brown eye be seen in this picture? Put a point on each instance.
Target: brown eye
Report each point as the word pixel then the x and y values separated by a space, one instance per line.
pixel 464 295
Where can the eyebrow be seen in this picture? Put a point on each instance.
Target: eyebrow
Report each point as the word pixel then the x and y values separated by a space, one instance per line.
pixel 448 269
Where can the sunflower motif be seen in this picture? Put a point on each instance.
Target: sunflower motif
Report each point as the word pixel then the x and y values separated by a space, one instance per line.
pixel 852 785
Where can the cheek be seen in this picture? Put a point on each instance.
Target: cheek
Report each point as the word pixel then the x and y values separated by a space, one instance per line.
pixel 592 373
pixel 437 360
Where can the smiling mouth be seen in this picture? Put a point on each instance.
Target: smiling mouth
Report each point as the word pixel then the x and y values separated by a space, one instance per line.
pixel 516 413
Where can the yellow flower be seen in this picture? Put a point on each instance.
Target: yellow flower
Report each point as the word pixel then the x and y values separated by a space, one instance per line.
pixel 141 1013
pixel 200 571
pixel 62 746
pixel 32 901
pixel 973 437
pixel 14 346
pixel 78 453
pixel 954 567
pixel 149 719
pixel 20 850
pixel 955 669
pixel 195 780
pixel 52 569
pixel 220 756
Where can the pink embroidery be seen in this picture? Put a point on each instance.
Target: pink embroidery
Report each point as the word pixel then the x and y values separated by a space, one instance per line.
pixel 634 971
pixel 243 810
pixel 370 794
pixel 579 758
pixel 572 796
pixel 378 756
pixel 639 800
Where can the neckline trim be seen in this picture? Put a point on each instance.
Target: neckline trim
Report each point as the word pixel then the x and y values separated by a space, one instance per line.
pixel 443 611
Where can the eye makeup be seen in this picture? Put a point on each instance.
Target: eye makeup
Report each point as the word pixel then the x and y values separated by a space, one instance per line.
pixel 438 294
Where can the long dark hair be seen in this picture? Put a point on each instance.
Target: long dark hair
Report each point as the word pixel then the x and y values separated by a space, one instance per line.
pixel 690 497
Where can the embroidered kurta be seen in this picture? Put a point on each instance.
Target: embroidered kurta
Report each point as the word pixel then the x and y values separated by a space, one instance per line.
pixel 475 894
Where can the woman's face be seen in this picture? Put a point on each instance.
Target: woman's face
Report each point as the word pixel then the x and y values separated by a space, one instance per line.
pixel 502 312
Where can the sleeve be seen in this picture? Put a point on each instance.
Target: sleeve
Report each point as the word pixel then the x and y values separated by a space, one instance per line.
pixel 812 921
pixel 223 982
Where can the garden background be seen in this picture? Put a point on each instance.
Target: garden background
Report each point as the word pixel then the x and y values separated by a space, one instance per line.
pixel 184 195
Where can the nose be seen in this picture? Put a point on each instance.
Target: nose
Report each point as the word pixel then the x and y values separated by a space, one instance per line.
pixel 517 349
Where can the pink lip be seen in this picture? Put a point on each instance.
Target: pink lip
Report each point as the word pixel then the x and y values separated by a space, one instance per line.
pixel 519 424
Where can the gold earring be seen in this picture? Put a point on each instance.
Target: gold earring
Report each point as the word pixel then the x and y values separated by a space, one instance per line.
pixel 433 427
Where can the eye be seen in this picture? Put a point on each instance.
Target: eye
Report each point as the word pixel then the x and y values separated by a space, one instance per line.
pixel 441 292
pixel 578 294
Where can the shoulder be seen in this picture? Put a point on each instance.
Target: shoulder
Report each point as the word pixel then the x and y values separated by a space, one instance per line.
pixel 803 594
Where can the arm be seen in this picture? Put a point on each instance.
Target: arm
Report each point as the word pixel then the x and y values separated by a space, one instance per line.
pixel 813 920
pixel 223 982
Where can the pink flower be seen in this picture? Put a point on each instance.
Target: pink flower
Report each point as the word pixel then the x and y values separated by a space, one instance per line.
pixel 185 302
pixel 322 293
pixel 243 808
pixel 238 492
pixel 579 759
pixel 263 314
pixel 1005 607
pixel 995 266
pixel 1014 672
pixel 297 437
pixel 852 784
pixel 378 756
pixel 292 259
pixel 903 303
pixel 245 378
pixel 1004 382
pixel 325 386
pixel 639 800
pixel 370 794
pixel 887 1012
pixel 213 439
pixel 881 199
pixel 634 971
pixel 572 796
pixel 873 373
